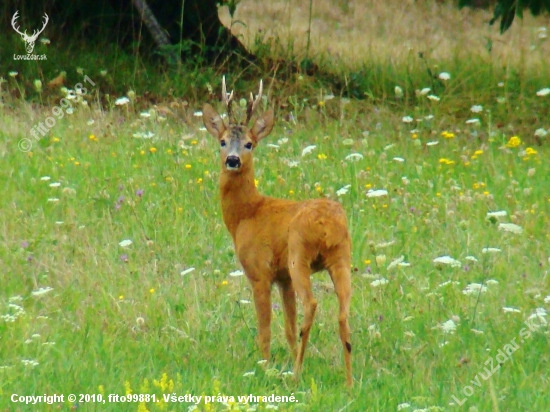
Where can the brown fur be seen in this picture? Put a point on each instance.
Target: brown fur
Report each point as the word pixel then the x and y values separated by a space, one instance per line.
pixel 281 241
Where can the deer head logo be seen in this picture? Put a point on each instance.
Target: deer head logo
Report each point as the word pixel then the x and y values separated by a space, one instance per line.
pixel 29 40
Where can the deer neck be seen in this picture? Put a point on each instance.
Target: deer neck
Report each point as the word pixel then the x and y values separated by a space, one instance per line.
pixel 239 196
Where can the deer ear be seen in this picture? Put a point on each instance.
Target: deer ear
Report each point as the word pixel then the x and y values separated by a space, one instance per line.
pixel 263 125
pixel 212 121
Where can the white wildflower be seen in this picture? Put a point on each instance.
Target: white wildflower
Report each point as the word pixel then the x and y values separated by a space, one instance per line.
pixel 236 273
pixel 424 91
pixel 187 271
pixel 447 260
pixel 399 159
pixel 343 190
pixel 510 310
pixel 471 258
pixel 383 245
pixel 448 327
pixel 540 314
pixel 53 199
pixel 448 282
pixel 544 92
pixel 474 289
pixel 444 76
pixel 379 282
pixel 398 92
pixel 403 406
pixel 476 108
pixel 354 157
pixel 251 373
pixel 121 101
pixel 541 133
pixel 491 250
pixel 197 113
pixel 125 243
pixel 41 291
pixel 143 135
pixel 434 98
pixel 394 263
pixel 472 121
pixel 55 184
pixel 432 143
pixel 308 150
pixel 377 193
pixel 45 178
pixel 510 227
pixel 500 213
pixel 407 119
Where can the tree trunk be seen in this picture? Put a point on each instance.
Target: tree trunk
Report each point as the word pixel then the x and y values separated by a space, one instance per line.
pixel 192 26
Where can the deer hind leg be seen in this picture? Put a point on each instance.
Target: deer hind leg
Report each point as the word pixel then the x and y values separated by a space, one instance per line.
pixel 288 296
pixel 261 290
pixel 341 277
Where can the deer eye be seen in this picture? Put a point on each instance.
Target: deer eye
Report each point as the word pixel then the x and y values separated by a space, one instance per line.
pixel 222 143
pixel 248 146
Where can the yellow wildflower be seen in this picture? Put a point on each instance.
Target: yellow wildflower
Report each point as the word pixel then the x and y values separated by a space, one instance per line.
pixel 530 151
pixel 321 156
pixel 127 388
pixel 514 141
pixel 188 166
pixel 153 149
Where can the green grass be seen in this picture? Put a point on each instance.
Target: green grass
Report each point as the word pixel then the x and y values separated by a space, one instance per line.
pixel 123 317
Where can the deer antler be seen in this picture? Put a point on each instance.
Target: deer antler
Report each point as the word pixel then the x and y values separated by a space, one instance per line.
pixel 37 32
pixel 253 104
pixel 24 34
pixel 227 99
pixel 14 22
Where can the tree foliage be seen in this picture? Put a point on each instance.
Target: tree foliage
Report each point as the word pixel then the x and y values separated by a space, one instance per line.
pixel 507 10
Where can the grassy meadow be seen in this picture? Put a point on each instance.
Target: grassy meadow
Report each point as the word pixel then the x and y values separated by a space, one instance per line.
pixel 119 277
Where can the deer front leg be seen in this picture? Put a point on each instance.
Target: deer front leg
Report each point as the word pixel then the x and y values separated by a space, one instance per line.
pixel 288 296
pixel 261 290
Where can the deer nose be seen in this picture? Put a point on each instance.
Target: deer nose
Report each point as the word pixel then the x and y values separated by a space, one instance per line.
pixel 233 162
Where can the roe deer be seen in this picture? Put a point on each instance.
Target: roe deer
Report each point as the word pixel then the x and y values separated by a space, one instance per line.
pixel 276 240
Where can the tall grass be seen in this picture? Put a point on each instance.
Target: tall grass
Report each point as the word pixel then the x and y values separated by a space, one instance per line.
pixel 83 310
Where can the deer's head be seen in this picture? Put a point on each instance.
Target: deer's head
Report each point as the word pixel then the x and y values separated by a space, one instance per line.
pixel 29 40
pixel 237 140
